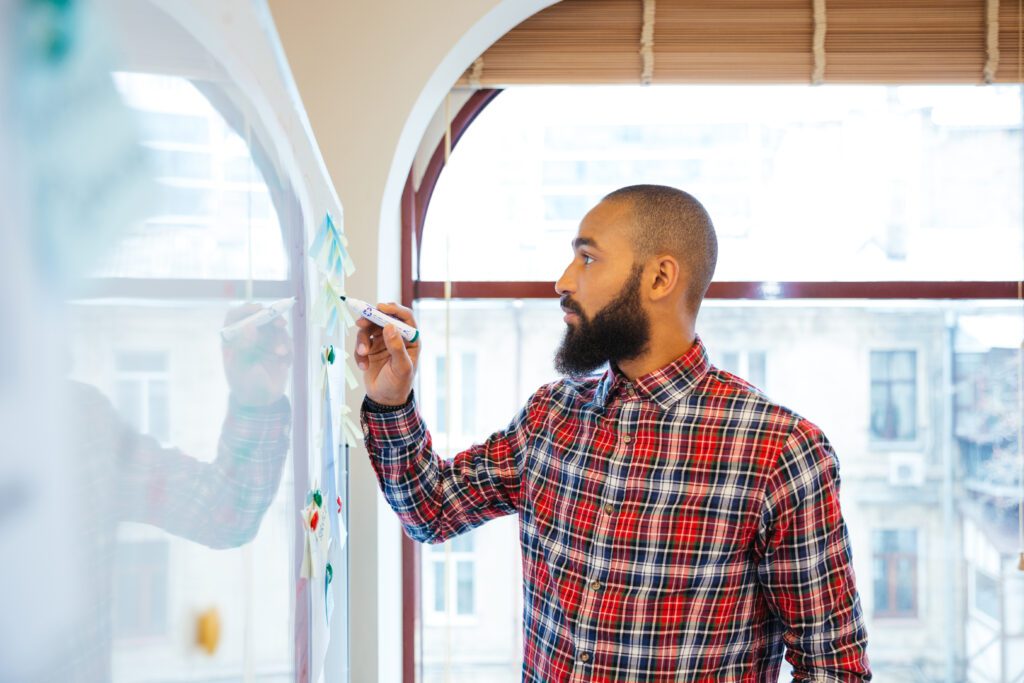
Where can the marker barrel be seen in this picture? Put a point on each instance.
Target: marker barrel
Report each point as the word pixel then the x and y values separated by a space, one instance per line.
pixel 409 333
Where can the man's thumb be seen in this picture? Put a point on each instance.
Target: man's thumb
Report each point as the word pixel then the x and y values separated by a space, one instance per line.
pixel 400 360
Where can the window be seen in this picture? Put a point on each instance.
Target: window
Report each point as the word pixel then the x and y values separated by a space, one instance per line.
pixel 451 569
pixel 894 395
pixel 895 572
pixel 748 365
pixel 986 594
pixel 143 394
pixel 776 168
pixel 140 589
pixel 869 181
pixel 464 402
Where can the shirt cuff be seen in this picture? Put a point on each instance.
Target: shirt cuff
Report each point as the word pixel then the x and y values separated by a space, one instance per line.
pixel 372 406
pixel 392 433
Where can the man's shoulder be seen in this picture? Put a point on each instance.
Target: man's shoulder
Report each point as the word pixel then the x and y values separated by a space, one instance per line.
pixel 742 394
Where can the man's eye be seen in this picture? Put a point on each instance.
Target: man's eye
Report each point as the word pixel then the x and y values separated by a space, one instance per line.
pixel 587 260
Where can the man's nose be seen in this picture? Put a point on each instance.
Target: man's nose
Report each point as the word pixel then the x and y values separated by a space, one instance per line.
pixel 565 284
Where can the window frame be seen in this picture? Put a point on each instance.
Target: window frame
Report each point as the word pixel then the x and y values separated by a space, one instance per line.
pixel 415 201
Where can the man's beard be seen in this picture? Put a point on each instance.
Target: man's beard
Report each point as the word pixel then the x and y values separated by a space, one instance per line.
pixel 620 331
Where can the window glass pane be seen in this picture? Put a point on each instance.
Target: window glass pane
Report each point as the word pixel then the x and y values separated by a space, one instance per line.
pixel 903 411
pixel 883 419
pixel 880 577
pixel 468 397
pixel 902 365
pixel 439 575
pixel 905 585
pixel 877 182
pixel 159 410
pixel 463 543
pixel 465 588
pixel 986 594
pixel 756 374
pixel 826 377
pixel 209 201
pixel 731 362
pixel 879 366
pixel 442 393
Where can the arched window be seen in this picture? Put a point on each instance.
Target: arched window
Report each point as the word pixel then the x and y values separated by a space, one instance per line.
pixel 870 258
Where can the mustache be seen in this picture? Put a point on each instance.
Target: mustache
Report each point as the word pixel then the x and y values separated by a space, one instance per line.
pixel 570 305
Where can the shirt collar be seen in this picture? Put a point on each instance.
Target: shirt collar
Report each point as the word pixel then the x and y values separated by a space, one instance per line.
pixel 665 386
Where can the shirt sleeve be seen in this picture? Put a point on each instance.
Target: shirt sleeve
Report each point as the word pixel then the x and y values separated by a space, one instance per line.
pixel 436 499
pixel 806 567
pixel 220 503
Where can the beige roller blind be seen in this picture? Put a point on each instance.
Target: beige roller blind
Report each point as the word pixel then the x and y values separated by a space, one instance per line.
pixel 757 41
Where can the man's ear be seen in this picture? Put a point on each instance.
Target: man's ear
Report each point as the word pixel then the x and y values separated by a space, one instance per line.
pixel 664 277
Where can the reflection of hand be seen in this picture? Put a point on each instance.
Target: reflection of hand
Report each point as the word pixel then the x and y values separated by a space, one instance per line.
pixel 256 362
pixel 388 362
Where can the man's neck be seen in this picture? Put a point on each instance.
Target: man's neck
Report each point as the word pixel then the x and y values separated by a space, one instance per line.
pixel 660 352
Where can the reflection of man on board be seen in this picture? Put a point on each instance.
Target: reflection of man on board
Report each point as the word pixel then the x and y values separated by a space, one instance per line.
pixel 131 477
pixel 675 524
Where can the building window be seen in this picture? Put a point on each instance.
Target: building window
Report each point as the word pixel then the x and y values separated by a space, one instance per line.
pixel 463 402
pixel 894 395
pixel 441 389
pixel 452 594
pixel 749 365
pixel 140 589
pixel 986 594
pixel 142 394
pixel 895 572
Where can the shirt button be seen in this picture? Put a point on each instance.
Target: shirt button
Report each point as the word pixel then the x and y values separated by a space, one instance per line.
pixel 609 509
pixel 584 657
pixel 596 586
pixel 627 439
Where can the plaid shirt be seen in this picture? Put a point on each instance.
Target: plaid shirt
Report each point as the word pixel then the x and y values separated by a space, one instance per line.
pixel 677 527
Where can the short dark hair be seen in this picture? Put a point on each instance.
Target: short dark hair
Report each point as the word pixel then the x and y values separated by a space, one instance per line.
pixel 669 221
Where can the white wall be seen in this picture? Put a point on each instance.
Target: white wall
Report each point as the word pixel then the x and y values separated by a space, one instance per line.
pixel 371 76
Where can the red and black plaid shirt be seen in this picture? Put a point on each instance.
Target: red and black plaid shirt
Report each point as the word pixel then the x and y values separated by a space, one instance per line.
pixel 676 527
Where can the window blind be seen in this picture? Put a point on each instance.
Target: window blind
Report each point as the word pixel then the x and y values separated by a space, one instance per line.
pixel 759 41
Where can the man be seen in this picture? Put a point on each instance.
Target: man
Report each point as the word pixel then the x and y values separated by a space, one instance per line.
pixel 675 524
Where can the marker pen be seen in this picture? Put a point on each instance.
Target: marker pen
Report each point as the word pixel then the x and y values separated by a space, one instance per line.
pixel 409 334
pixel 260 317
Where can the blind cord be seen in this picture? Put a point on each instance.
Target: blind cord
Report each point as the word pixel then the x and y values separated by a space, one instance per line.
pixel 818 42
pixel 647 44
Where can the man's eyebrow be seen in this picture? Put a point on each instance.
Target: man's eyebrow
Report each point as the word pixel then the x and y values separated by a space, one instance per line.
pixel 584 242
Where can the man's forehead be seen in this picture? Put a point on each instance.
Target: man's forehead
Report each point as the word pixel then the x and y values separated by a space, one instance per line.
pixel 606 225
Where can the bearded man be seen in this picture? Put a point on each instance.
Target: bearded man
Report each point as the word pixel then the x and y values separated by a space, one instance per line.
pixel 676 525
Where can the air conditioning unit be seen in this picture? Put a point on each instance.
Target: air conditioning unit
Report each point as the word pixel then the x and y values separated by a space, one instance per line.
pixel 906 469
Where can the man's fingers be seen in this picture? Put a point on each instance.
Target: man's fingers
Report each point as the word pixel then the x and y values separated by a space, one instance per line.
pixel 400 312
pixel 400 361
